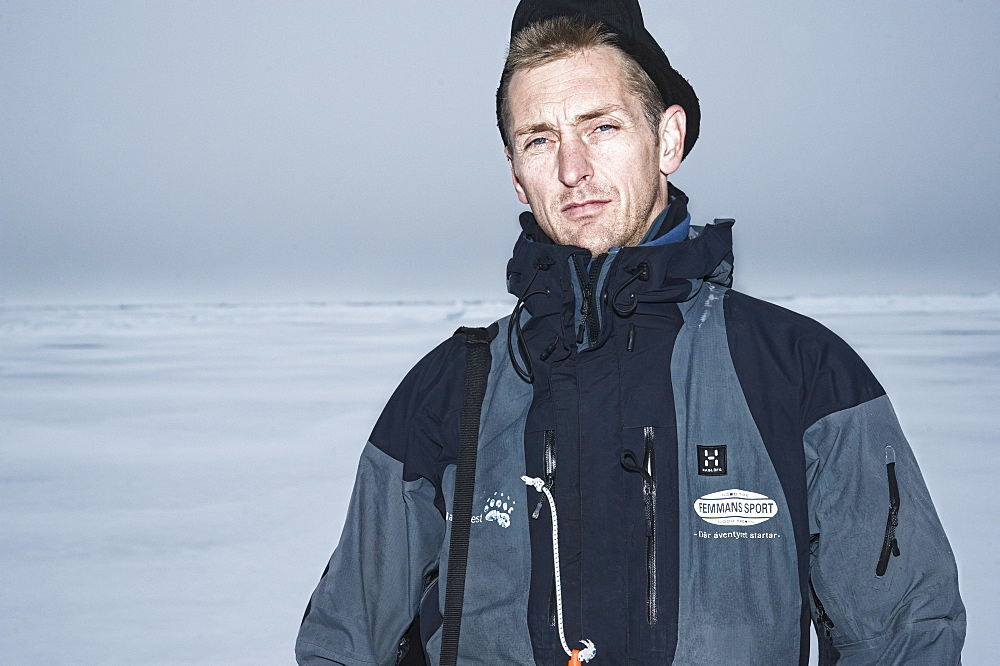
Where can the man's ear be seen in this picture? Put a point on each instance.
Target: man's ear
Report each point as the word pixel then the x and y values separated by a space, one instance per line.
pixel 521 196
pixel 671 132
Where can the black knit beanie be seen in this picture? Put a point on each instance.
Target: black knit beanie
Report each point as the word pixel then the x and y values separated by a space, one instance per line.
pixel 624 19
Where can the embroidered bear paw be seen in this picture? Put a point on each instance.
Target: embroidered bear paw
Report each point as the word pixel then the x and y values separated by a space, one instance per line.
pixel 498 509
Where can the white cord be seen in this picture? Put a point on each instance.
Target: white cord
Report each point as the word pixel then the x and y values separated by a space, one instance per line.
pixel 590 651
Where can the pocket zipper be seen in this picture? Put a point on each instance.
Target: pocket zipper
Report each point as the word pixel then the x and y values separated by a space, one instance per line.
pixel 549 463
pixel 649 494
pixel 648 473
pixel 889 543
pixel 821 615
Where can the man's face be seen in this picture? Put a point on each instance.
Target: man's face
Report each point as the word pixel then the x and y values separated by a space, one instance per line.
pixel 582 153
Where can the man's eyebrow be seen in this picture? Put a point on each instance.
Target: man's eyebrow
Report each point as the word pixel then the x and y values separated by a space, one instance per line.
pixel 597 113
pixel 580 118
pixel 531 129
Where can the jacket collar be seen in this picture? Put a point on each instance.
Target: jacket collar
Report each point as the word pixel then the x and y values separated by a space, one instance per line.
pixel 552 283
pixel 674 272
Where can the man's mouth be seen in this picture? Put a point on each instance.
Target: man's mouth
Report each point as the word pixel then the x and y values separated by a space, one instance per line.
pixel 584 208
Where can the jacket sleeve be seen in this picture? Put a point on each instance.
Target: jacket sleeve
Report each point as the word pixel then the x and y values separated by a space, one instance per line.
pixel 392 536
pixel 882 602
pixel 370 591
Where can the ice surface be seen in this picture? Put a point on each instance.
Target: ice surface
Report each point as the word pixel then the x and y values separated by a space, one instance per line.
pixel 174 478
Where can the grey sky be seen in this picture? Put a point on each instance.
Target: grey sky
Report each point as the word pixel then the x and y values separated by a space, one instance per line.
pixel 208 151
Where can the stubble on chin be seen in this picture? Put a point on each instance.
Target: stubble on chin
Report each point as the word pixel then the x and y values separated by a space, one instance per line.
pixel 599 234
pixel 589 234
pixel 598 243
pixel 621 225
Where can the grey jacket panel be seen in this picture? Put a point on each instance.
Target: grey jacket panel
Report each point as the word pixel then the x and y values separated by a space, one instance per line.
pixel 733 601
pixel 912 614
pixel 370 592
pixel 494 614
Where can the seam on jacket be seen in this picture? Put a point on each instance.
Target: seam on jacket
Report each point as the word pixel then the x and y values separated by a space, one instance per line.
pixel 866 391
pixel 894 628
pixel 879 638
pixel 333 655
pixel 827 415
pixel 821 414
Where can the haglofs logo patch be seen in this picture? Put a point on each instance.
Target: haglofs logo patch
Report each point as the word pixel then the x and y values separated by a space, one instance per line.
pixel 735 507
pixel 712 460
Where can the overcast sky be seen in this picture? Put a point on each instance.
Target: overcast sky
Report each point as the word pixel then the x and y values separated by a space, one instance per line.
pixel 237 151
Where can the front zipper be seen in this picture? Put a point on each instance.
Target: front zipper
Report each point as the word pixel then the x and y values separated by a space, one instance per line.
pixel 648 473
pixel 889 543
pixel 549 463
pixel 588 288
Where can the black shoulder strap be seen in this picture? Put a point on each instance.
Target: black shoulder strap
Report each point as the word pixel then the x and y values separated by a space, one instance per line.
pixel 476 370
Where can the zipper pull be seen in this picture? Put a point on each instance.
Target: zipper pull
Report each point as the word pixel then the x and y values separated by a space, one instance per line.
pixel 548 350
pixel 538 509
pixel 821 615
pixel 587 294
pixel 827 625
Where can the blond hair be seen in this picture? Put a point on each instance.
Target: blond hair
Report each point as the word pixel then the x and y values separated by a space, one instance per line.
pixel 562 37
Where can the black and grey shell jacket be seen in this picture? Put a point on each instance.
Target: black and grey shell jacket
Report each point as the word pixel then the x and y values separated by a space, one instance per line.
pixel 725 471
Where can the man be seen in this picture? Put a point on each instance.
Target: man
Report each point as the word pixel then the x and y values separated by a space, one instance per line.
pixel 725 471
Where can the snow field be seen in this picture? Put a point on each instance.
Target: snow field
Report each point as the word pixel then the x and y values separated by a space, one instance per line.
pixel 174 478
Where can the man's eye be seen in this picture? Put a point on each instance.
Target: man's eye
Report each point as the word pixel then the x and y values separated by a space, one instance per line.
pixel 606 127
pixel 538 142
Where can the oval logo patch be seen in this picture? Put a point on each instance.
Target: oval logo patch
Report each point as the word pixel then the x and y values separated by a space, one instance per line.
pixel 735 507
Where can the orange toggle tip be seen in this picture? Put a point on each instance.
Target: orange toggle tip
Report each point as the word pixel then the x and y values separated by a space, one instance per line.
pixel 575 659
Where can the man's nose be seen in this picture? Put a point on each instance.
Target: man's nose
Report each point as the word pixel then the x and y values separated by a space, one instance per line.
pixel 574 162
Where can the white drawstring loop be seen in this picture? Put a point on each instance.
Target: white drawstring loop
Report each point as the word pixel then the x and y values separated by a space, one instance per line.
pixel 590 651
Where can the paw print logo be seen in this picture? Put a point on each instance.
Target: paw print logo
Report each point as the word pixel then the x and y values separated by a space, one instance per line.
pixel 498 508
